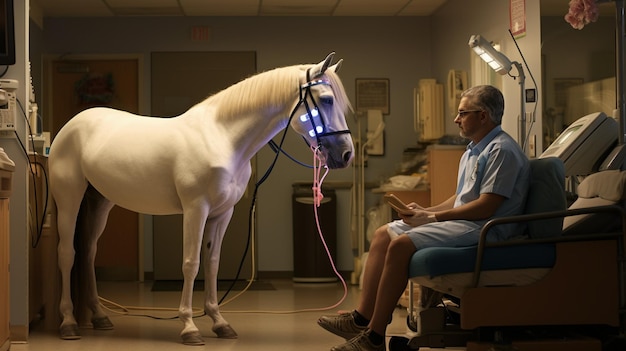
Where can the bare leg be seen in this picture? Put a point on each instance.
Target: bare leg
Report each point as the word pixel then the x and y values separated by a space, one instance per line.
pixel 373 271
pixel 393 281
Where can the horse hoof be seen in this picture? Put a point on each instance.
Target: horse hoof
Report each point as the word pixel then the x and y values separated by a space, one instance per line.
pixel 103 323
pixel 193 338
pixel 225 332
pixel 69 332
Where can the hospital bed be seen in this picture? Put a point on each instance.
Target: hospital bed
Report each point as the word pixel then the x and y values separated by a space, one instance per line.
pixel 560 286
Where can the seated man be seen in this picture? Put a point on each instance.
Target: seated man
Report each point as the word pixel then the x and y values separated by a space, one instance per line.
pixel 493 181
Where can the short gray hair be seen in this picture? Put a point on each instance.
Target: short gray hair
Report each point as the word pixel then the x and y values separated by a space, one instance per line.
pixel 487 98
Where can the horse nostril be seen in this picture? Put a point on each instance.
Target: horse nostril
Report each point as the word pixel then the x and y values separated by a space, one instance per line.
pixel 347 157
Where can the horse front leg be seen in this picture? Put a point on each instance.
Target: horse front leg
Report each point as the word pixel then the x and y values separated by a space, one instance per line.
pixel 212 247
pixel 193 230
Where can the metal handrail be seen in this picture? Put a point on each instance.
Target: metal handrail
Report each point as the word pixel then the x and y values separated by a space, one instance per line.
pixel 619 236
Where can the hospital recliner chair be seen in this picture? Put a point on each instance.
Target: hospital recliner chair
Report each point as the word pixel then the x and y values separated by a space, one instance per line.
pixel 559 287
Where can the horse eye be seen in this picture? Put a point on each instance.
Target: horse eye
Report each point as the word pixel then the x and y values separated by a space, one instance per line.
pixel 326 100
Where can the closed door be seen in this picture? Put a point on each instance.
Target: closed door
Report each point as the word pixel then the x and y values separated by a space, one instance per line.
pixel 75 85
pixel 179 81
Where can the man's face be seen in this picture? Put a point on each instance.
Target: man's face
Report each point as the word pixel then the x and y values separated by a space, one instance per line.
pixel 468 118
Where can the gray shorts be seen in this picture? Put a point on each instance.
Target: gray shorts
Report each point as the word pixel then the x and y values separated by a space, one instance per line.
pixel 438 234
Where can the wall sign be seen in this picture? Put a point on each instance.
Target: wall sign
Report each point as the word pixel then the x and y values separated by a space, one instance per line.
pixel 517 16
pixel 372 94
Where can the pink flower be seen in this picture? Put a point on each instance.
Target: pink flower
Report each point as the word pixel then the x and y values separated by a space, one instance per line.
pixel 581 12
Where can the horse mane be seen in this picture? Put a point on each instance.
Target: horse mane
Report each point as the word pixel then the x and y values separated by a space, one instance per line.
pixel 274 89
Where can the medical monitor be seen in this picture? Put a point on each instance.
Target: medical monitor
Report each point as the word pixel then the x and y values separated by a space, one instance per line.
pixel 7 33
pixel 584 144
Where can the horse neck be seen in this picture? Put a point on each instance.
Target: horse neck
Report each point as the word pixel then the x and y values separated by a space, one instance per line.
pixel 253 111
pixel 246 133
pixel 255 130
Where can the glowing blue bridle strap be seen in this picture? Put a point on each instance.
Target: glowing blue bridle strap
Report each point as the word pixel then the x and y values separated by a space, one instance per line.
pixel 305 91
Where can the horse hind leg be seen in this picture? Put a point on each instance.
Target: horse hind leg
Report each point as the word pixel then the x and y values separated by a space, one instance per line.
pixel 83 221
pixel 91 222
pixel 68 202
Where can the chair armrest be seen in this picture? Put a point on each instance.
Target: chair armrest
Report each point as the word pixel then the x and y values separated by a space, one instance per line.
pixel 482 242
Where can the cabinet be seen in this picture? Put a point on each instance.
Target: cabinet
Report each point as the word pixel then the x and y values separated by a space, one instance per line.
pixel 443 167
pixel 6 174
pixel 5 305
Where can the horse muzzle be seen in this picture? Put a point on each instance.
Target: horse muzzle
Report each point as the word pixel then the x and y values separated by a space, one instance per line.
pixel 336 149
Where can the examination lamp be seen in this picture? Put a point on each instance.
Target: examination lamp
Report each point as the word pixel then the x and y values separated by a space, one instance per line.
pixel 495 59
pixel 502 65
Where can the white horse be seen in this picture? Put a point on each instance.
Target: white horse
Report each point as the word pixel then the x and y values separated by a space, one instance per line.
pixel 197 164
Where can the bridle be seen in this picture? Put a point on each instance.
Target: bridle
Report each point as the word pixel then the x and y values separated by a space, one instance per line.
pixel 314 115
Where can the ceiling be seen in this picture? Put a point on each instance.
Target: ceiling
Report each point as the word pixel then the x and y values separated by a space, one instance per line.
pixel 111 8
pixel 106 8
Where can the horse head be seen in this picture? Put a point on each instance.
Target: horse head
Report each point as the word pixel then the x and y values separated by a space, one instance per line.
pixel 319 115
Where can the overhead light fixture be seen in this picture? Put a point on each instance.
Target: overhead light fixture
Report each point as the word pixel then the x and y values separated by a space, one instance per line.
pixel 502 65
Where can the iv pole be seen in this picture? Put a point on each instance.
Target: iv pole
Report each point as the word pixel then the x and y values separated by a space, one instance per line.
pixel 358 198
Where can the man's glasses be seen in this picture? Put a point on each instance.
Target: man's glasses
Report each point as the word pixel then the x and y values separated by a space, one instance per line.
pixel 462 114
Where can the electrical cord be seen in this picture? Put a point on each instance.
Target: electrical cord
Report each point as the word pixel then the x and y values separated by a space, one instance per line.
pixel 125 310
pixel 250 229
pixel 251 240
pixel 38 230
pixel 277 148
pixel 317 193
pixel 317 198
pixel 251 213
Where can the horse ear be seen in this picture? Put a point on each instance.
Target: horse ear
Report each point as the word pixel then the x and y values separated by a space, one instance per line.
pixel 321 67
pixel 336 66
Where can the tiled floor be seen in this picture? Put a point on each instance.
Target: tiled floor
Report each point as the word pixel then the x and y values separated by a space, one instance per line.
pixel 259 316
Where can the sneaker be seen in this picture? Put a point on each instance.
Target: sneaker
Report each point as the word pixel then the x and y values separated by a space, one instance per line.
pixel 342 324
pixel 360 342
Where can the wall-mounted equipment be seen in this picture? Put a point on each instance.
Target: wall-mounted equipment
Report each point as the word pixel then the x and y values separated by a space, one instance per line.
pixel 8 105
pixel 375 142
pixel 457 83
pixel 428 109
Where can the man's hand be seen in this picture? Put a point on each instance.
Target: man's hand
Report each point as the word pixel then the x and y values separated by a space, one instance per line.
pixel 415 206
pixel 419 217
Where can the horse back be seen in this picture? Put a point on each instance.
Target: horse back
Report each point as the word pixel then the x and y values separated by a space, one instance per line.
pixel 147 164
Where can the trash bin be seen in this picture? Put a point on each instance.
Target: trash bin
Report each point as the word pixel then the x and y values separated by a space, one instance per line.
pixel 310 260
